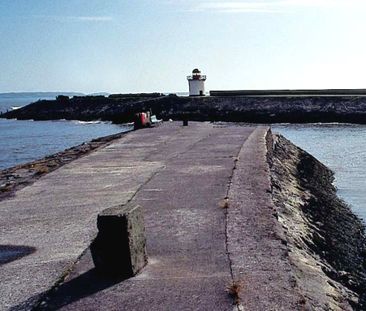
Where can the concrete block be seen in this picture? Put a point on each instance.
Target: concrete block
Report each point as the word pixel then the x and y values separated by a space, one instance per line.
pixel 120 246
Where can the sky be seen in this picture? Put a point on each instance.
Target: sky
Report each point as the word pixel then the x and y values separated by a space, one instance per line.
pixel 152 45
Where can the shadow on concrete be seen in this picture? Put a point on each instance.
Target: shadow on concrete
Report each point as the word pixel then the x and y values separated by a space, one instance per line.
pixel 79 287
pixel 9 253
pixel 83 281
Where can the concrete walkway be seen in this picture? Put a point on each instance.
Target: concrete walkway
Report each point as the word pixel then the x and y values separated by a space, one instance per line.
pixel 180 176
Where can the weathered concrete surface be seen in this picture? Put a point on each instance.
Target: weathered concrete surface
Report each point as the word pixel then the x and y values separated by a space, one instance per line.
pixel 57 214
pixel 180 176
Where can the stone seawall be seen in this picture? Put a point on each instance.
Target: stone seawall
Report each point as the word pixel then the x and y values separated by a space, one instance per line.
pixel 254 109
pixel 326 241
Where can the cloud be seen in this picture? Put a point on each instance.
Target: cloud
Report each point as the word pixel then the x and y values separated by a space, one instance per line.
pixel 269 6
pixel 235 7
pixel 90 19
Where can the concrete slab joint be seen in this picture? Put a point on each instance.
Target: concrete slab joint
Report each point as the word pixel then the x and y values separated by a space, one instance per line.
pixel 120 246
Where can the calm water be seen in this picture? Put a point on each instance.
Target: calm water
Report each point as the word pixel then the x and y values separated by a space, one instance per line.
pixel 343 149
pixel 24 141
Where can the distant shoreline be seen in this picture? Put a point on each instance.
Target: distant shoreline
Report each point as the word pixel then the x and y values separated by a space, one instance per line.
pixel 38 94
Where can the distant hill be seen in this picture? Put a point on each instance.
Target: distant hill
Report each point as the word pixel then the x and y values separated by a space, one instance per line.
pixel 38 94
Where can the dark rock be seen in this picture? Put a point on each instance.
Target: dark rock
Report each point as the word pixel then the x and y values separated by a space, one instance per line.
pixel 120 108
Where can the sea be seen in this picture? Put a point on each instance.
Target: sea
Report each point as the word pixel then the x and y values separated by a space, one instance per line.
pixel 25 141
pixel 342 147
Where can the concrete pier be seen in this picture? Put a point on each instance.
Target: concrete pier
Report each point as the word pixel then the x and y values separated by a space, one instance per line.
pixel 204 193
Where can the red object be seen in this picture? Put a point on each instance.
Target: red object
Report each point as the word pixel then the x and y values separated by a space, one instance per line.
pixel 142 119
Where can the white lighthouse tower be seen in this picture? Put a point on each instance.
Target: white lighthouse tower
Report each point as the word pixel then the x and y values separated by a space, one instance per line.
pixel 196 83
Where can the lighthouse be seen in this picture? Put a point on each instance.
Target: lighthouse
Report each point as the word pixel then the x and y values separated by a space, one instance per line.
pixel 196 83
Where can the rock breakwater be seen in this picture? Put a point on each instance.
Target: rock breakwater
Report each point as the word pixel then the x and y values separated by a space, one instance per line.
pixel 120 108
pixel 326 241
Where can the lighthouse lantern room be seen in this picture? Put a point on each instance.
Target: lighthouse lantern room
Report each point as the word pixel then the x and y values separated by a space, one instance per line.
pixel 196 83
